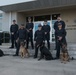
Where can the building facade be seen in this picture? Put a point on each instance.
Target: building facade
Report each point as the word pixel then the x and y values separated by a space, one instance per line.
pixel 1 17
pixel 40 10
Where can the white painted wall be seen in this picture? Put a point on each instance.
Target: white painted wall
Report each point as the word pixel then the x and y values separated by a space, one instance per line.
pixel 5 23
pixel 1 11
pixel 9 2
pixel 7 20
pixel 21 18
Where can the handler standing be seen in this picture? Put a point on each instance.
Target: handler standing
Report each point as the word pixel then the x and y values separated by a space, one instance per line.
pixel 56 27
pixel 20 37
pixel 60 34
pixel 13 31
pixel 46 29
pixel 29 28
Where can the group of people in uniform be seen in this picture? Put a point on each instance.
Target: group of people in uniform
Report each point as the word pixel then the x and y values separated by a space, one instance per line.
pixel 25 34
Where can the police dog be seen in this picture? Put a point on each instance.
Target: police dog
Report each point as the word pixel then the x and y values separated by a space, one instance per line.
pixel 45 53
pixel 23 50
pixel 64 56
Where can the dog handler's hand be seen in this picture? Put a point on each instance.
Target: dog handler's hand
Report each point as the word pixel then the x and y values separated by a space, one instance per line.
pixel 24 40
pixel 37 45
pixel 43 41
pixel 12 33
pixel 60 38
pixel 16 41
pixel 35 42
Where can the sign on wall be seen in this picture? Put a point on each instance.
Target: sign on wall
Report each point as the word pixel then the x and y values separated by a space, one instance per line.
pixel 71 27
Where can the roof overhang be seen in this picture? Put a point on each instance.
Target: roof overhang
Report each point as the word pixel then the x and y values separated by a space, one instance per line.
pixel 38 4
pixel 9 2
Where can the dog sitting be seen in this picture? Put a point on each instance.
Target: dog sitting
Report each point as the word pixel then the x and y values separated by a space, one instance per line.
pixel 45 53
pixel 23 51
pixel 64 56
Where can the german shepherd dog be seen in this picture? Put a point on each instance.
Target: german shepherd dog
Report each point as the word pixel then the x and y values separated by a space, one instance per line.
pixel 64 56
pixel 23 50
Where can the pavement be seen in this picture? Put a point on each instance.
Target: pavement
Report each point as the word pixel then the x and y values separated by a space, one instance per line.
pixel 10 65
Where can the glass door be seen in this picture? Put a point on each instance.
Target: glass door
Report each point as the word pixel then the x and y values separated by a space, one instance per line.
pixel 41 22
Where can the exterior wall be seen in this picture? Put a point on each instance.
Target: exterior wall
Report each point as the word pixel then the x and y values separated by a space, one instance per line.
pixel 69 16
pixel 5 24
pixel 20 18
pixel 1 18
pixel 7 20
pixel 0 24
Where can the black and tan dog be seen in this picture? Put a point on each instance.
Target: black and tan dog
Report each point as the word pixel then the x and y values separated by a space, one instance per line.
pixel 64 56
pixel 23 50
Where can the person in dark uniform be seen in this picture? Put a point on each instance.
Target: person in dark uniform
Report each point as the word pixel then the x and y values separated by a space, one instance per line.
pixel 20 37
pixel 39 38
pixel 56 27
pixel 29 28
pixel 13 31
pixel 46 29
pixel 60 34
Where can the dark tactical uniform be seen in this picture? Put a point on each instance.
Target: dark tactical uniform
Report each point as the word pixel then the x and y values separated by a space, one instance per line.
pixel 29 34
pixel 21 34
pixel 56 27
pixel 39 38
pixel 46 28
pixel 60 33
pixel 13 29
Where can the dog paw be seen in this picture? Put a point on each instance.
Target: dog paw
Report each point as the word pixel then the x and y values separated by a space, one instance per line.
pixel 64 62
pixel 61 61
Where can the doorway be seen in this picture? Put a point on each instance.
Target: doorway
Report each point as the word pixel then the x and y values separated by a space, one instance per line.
pixel 51 19
pixel 42 22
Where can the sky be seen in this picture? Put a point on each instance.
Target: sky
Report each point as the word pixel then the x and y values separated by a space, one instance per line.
pixel 8 2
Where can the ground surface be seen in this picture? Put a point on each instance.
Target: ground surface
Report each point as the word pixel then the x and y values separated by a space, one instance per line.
pixel 10 65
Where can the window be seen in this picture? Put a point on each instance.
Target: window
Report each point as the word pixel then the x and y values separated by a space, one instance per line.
pixel 42 18
pixel 54 16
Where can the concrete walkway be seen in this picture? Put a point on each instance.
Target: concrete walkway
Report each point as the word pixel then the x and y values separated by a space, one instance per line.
pixel 10 65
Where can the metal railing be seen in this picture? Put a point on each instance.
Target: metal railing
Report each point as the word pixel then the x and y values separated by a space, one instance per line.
pixel 5 37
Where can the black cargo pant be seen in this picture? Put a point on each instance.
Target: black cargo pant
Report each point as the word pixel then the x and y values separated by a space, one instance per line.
pixel 59 45
pixel 30 38
pixel 37 46
pixel 13 41
pixel 55 42
pixel 47 39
